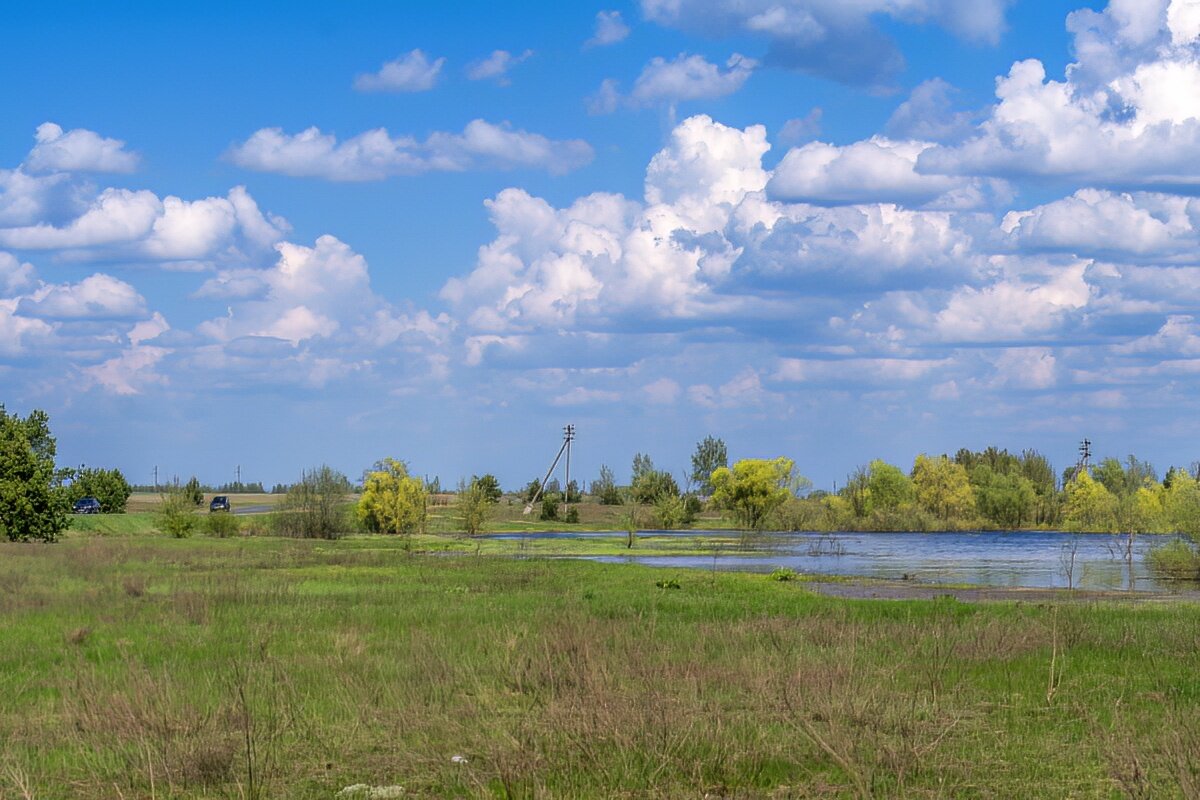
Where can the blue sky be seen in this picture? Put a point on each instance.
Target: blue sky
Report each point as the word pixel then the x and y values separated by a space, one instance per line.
pixel 292 234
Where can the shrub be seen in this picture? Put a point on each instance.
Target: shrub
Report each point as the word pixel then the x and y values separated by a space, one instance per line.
pixel 33 504
pixel 670 511
pixel 177 514
pixel 221 525
pixel 572 516
pixel 549 507
pixel 392 500
pixel 106 485
pixel 316 507
pixel 783 574
pixel 1175 561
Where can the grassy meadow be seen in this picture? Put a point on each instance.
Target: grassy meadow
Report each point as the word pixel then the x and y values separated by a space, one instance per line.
pixel 148 667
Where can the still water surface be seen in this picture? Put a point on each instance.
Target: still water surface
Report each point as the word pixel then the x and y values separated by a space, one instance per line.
pixel 1033 559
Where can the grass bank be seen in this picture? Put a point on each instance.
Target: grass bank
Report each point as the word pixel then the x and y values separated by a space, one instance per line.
pixel 146 667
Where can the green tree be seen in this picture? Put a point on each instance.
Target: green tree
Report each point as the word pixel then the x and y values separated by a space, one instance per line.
pixel 1181 502
pixel 316 507
pixel 888 488
pixel 475 503
pixel 753 488
pixel 641 465
pixel 653 485
pixel 943 488
pixel 392 500
pixel 709 456
pixel 33 503
pixel 489 486
pixel 1090 506
pixel 194 491
pixel 857 491
pixel 106 485
pixel 1111 474
pixel 177 513
pixel 605 488
pixel 1006 498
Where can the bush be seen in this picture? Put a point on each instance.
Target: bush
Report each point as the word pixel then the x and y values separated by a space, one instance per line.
pixel 177 514
pixel 222 525
pixel 572 516
pixel 783 574
pixel 106 485
pixel 1177 561
pixel 392 500
pixel 316 507
pixel 549 507
pixel 33 504
pixel 670 511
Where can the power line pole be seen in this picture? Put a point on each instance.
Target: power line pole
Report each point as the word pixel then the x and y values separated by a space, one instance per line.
pixel 238 471
pixel 156 477
pixel 569 436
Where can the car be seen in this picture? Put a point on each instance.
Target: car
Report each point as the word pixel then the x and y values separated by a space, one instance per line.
pixel 86 505
pixel 219 503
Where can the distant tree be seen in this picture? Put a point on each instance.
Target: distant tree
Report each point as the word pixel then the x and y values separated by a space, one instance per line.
pixel 316 507
pixel 550 503
pixel 573 495
pixel 709 456
pixel 652 486
pixel 489 486
pixel 942 488
pixel 553 486
pixel 857 491
pixel 194 491
pixel 1111 475
pixel 888 488
pixel 392 500
pixel 1090 506
pixel 176 513
pixel 641 465
pixel 753 488
pixel 670 510
pixel 1038 470
pixel 474 505
pixel 532 489
pixel 33 504
pixel 605 488
pixel 106 485
pixel 1006 498
pixel 1181 502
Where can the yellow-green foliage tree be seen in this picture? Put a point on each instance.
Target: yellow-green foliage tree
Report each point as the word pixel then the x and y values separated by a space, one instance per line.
pixel 943 488
pixel 1090 506
pixel 392 500
pixel 753 488
pixel 1181 502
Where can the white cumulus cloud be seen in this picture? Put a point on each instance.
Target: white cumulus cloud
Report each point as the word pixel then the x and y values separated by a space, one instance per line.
pixel 412 72
pixel 376 155
pixel 78 150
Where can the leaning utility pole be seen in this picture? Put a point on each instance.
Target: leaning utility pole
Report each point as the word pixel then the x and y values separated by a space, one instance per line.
pixel 568 437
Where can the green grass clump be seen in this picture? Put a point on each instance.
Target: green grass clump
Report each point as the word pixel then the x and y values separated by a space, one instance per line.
pixel 264 667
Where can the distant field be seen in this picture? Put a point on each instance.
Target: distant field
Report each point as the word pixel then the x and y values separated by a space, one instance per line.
pixel 149 501
pixel 263 667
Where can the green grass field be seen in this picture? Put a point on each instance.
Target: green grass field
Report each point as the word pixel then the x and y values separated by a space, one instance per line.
pixel 259 667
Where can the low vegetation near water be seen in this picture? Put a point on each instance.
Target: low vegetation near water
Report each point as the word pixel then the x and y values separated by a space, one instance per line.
pixel 267 667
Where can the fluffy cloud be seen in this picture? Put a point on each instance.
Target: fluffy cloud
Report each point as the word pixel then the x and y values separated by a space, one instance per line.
pixel 15 276
pixel 1098 223
pixel 878 170
pixel 138 224
pixel 496 66
pixel 830 38
pixel 376 155
pixel 606 255
pixel 929 115
pixel 690 78
pixel 610 29
pixel 78 150
pixel 1127 114
pixel 96 297
pixel 413 72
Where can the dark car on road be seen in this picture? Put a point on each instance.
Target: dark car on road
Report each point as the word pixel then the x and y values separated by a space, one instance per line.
pixel 86 505
pixel 219 503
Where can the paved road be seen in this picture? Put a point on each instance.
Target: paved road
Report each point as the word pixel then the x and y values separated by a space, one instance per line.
pixel 253 509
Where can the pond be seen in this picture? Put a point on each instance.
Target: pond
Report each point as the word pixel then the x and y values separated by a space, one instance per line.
pixel 1024 559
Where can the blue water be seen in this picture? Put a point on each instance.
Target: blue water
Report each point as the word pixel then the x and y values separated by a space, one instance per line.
pixel 1041 559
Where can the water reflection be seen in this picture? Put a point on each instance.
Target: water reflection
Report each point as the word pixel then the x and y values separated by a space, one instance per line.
pixel 1041 559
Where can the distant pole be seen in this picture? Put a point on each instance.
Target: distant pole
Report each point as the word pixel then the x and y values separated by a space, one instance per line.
pixel 156 477
pixel 569 436
pixel 239 476
pixel 1085 453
